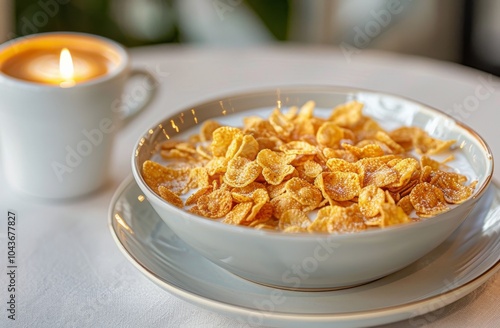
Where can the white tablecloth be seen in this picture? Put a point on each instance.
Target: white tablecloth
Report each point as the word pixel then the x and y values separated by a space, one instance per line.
pixel 70 272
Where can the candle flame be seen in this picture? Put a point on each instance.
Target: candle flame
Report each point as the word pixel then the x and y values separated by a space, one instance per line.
pixel 66 67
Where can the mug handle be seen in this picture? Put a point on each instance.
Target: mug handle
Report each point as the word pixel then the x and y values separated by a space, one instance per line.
pixel 148 85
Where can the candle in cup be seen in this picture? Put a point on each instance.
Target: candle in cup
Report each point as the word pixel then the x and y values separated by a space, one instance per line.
pixel 66 68
pixel 56 141
pixel 49 60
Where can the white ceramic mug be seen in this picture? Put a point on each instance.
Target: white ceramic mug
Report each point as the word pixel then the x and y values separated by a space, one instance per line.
pixel 56 141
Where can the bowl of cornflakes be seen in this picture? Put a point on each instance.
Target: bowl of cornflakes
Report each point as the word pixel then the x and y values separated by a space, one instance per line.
pixel 312 188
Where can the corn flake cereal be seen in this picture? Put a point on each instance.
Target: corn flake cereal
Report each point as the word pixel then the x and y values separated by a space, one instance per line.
pixel 294 218
pixel 156 175
pixel 329 134
pixel 298 148
pixel 303 192
pixel 338 219
pixel 224 137
pixel 428 200
pixel 370 200
pixel 392 215
pixel 275 165
pixel 295 172
pixel 215 204
pixel 283 203
pixel 339 186
pixel 197 194
pixel 207 129
pixel 451 184
pixel 312 169
pixel 170 196
pixel 241 172
pixel 238 214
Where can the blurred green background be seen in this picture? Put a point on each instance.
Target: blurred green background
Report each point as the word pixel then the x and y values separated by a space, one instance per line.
pixel 461 31
pixel 134 22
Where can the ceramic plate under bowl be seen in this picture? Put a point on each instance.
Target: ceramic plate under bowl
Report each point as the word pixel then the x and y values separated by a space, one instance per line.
pixel 458 266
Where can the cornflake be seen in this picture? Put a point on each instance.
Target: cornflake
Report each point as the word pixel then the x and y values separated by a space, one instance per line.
pixel 298 173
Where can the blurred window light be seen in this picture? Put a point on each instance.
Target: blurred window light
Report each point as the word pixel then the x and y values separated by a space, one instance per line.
pixel 486 31
pixel 220 22
pixel 147 20
pixel 426 28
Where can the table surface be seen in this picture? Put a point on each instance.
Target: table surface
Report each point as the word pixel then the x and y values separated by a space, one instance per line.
pixel 70 272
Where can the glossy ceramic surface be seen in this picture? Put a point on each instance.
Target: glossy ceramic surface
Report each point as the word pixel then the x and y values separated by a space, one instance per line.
pixel 316 261
pixel 67 131
pixel 458 266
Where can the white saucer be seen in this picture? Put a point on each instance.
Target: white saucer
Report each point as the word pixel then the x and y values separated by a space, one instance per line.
pixel 457 267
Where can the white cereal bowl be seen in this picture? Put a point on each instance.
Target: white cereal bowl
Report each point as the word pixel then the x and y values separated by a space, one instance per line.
pixel 316 261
